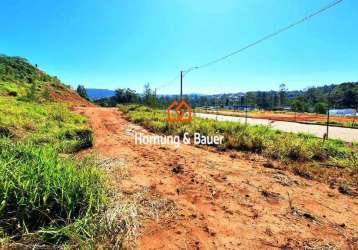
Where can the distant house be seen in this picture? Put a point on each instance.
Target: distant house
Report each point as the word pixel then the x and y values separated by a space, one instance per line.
pixel 342 112
pixel 238 107
pixel 282 108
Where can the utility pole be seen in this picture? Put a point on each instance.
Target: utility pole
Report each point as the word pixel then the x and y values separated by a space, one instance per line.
pixel 246 109
pixel 355 115
pixel 327 121
pixel 181 85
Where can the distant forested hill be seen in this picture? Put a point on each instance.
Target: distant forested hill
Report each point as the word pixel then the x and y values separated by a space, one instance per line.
pixel 96 94
pixel 344 95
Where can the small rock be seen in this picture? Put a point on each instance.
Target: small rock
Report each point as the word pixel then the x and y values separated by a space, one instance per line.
pixel 178 169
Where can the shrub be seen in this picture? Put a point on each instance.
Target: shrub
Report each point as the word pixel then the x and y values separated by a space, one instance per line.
pixel 12 93
pixel 5 132
pixel 80 137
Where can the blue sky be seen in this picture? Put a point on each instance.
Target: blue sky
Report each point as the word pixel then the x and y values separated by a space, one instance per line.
pixel 115 44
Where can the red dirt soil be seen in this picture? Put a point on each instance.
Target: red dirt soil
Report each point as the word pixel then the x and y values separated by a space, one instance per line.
pixel 68 96
pixel 299 117
pixel 224 200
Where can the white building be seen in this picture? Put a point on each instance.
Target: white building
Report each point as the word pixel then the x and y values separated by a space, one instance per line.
pixel 342 112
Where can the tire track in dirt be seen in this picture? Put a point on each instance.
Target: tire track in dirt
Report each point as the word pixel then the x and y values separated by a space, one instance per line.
pixel 224 202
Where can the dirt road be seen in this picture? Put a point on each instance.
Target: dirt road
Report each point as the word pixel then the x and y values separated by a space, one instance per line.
pixel 224 200
pixel 344 134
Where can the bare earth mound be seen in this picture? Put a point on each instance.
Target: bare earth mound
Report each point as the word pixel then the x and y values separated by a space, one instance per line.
pixel 66 95
pixel 224 201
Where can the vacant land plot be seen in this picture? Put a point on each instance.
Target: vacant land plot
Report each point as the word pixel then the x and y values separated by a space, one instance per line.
pixel 288 116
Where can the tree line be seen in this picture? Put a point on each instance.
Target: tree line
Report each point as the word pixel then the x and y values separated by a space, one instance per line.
pixel 313 99
pixel 127 95
pixel 319 99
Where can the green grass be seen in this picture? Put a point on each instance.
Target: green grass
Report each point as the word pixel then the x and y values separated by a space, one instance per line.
pixel 39 190
pixel 44 124
pixel 13 89
pixel 45 197
pixel 271 143
pixel 341 124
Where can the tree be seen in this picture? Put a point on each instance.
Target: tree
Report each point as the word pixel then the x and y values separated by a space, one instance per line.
pixel 265 103
pixel 282 95
pixel 81 91
pixel 251 99
pixel 126 96
pixel 344 95
pixel 350 98
pixel 320 108
pixel 297 104
pixel 275 100
pixel 149 96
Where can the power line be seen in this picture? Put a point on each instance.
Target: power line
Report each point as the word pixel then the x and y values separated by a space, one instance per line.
pixel 174 79
pixel 269 36
pixel 168 83
pixel 266 37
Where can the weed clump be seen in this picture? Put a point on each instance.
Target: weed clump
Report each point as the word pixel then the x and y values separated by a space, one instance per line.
pixel 40 190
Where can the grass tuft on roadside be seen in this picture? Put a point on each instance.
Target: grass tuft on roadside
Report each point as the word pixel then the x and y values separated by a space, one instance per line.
pixel 47 198
pixel 39 190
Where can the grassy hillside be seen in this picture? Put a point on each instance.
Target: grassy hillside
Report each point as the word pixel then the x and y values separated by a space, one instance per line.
pixel 46 196
pixel 29 113
pixel 18 77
